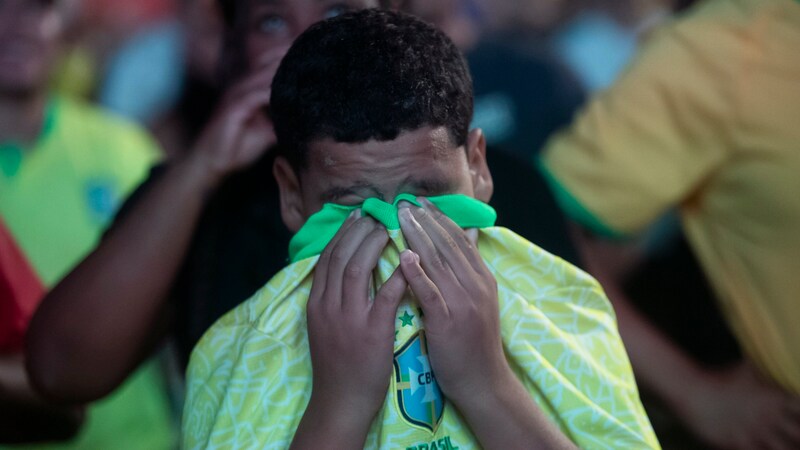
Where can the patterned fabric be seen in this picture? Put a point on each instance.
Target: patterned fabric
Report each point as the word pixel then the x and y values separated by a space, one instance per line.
pixel 249 378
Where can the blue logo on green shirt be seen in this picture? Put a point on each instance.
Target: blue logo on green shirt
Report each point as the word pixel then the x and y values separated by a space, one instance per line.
pixel 102 199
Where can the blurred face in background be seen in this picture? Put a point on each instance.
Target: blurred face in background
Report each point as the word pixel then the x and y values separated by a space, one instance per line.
pixel 449 16
pixel 534 15
pixel 30 33
pixel 204 27
pixel 273 25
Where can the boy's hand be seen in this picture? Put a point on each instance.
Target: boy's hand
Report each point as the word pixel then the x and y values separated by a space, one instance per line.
pixel 240 132
pixel 458 296
pixel 351 337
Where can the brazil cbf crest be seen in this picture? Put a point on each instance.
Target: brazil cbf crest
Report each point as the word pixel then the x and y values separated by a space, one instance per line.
pixel 419 398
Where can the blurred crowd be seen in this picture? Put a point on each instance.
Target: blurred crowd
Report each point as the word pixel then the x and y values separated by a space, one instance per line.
pixel 653 143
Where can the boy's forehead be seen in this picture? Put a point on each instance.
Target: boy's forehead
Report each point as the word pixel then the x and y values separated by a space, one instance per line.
pixel 413 146
pixel 418 162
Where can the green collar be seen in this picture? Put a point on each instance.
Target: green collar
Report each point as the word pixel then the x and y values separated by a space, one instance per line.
pixel 320 228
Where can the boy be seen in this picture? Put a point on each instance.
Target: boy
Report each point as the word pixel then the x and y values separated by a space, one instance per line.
pixel 371 111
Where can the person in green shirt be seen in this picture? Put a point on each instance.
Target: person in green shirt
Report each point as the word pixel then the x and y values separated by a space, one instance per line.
pixel 64 168
pixel 393 327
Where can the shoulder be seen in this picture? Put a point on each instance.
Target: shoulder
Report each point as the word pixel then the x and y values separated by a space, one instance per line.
pixel 560 330
pixel 520 261
pixel 543 288
pixel 275 312
pixel 85 122
pixel 713 36
pixel 255 351
pixel 102 145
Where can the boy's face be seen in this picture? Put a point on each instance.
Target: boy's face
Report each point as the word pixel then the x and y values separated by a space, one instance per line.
pixel 275 24
pixel 422 162
pixel 29 35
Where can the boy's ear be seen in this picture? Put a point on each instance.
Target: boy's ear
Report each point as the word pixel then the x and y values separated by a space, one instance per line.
pixel 290 193
pixel 482 184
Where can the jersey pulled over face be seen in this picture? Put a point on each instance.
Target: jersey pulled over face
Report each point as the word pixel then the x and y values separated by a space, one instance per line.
pixel 422 162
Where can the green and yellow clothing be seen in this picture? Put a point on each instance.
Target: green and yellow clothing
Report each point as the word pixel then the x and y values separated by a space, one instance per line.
pixel 706 120
pixel 249 378
pixel 56 198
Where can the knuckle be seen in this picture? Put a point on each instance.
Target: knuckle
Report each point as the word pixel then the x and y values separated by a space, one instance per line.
pixel 370 224
pixel 429 297
pixel 437 263
pixel 338 257
pixel 379 233
pixel 416 274
pixel 353 271
pixel 451 243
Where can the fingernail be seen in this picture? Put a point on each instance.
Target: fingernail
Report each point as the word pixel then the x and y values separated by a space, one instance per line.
pixel 355 213
pixel 404 212
pixel 403 204
pixel 409 257
pixel 425 201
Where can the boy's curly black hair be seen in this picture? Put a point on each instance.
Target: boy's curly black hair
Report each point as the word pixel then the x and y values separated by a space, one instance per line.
pixel 369 74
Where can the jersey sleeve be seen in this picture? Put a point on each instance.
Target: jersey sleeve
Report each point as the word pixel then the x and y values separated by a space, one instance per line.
pixel 244 389
pixel 561 339
pixel 652 140
pixel 580 374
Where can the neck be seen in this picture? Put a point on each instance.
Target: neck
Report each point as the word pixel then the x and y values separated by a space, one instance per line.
pixel 22 117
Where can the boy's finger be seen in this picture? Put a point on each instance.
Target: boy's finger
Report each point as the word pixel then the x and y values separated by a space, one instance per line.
pixel 472 235
pixel 272 57
pixel 321 269
pixel 428 295
pixel 341 255
pixel 389 296
pixel 453 246
pixel 420 242
pixel 250 104
pixel 358 271
pixel 237 117
pixel 259 80
pixel 458 235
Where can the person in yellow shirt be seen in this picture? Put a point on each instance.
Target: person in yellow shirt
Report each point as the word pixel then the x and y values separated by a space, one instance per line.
pixel 705 120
